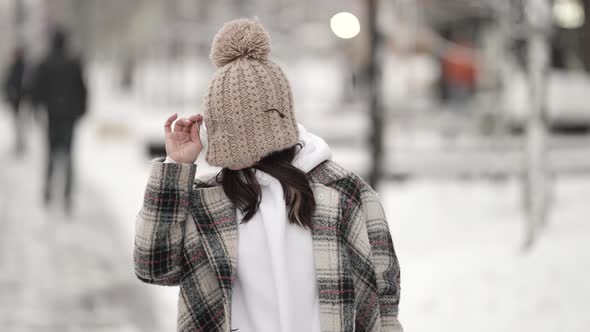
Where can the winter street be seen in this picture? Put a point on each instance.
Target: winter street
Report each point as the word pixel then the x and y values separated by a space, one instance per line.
pixel 460 202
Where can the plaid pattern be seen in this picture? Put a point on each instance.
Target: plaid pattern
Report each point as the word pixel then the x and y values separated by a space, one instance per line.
pixel 186 234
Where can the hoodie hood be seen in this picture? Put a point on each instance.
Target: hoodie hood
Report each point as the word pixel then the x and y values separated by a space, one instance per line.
pixel 314 151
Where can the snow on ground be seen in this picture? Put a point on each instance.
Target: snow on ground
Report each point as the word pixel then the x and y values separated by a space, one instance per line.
pixel 462 268
pixel 58 272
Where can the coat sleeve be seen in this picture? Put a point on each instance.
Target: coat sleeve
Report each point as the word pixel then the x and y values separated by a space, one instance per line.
pixel 160 224
pixel 384 260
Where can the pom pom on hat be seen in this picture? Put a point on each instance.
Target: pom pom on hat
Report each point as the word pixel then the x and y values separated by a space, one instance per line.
pixel 240 38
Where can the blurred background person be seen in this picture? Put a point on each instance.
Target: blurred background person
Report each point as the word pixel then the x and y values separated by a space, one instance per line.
pixel 13 90
pixel 59 88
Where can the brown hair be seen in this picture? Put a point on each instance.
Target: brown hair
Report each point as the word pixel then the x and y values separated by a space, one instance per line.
pixel 243 189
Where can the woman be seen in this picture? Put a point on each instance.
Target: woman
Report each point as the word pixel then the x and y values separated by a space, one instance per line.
pixel 282 239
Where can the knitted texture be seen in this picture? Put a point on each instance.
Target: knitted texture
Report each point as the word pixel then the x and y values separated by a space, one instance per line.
pixel 248 110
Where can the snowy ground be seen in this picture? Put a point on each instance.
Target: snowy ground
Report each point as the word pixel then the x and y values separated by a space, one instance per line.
pixel 58 272
pixel 462 268
pixel 458 242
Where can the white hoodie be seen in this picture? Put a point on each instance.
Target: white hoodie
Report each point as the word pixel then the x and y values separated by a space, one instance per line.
pixel 275 289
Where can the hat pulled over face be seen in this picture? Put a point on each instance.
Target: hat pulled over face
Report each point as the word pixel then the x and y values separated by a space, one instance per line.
pixel 248 109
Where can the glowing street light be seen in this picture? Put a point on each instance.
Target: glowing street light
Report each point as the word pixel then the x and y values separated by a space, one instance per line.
pixel 569 14
pixel 345 25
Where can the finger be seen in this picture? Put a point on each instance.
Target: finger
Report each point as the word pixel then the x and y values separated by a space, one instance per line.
pixel 195 131
pixel 180 123
pixel 168 124
pixel 177 126
pixel 185 125
pixel 185 122
pixel 195 117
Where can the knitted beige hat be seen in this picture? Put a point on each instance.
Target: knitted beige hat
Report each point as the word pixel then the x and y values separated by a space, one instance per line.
pixel 248 110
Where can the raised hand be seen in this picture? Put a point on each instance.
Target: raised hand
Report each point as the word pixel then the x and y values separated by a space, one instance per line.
pixel 183 143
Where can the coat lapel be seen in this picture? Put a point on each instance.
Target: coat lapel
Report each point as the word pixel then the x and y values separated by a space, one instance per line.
pixel 334 278
pixel 218 228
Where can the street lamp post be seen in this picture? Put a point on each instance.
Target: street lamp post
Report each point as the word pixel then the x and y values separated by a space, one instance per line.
pixel 346 25
pixel 374 102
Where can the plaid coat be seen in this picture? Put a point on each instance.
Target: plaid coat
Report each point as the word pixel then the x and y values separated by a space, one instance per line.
pixel 187 233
